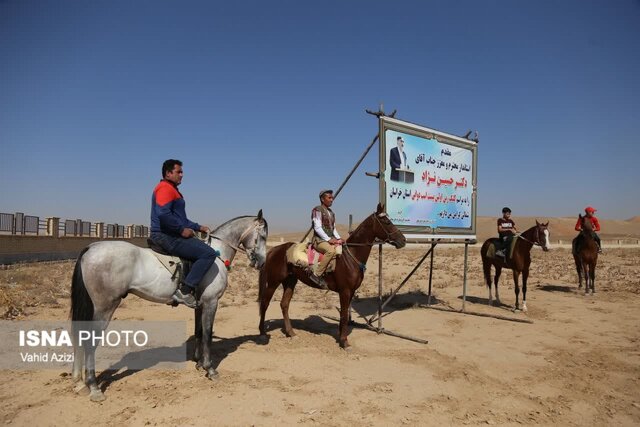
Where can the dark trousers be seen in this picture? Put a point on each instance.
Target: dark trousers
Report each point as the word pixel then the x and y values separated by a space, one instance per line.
pixel 575 242
pixel 193 249
pixel 505 242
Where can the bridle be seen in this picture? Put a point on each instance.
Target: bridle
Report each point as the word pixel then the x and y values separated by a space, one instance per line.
pixel 375 240
pixel 537 239
pixel 249 251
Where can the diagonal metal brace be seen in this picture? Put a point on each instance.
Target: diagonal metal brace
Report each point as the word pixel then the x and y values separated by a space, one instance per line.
pixel 374 317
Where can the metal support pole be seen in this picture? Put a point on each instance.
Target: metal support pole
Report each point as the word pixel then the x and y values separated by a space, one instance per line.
pixel 380 331
pixel 393 294
pixel 350 304
pixel 464 279
pixel 433 245
pixel 379 287
pixel 475 313
pixel 375 139
pixel 337 192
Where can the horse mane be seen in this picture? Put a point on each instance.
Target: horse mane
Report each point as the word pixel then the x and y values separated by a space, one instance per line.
pixel 528 231
pixel 586 223
pixel 266 226
pixel 353 233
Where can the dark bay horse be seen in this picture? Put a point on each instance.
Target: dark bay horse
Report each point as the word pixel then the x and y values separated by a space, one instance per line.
pixel 345 280
pixel 519 262
pixel 107 271
pixel 585 255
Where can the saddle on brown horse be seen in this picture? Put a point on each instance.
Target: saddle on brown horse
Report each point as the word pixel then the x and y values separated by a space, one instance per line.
pixel 304 255
pixel 508 252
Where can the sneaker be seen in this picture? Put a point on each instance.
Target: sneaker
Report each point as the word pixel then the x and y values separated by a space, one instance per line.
pixel 500 253
pixel 187 299
pixel 319 281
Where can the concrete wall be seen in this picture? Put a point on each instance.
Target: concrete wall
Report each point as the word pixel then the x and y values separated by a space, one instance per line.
pixel 15 249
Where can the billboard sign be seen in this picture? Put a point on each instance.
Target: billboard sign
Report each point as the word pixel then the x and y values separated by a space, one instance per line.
pixel 428 181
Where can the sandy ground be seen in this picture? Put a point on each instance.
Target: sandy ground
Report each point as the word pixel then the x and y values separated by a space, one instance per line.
pixel 578 363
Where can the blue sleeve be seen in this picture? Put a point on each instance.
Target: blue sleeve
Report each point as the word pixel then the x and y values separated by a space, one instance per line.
pixel 193 225
pixel 169 221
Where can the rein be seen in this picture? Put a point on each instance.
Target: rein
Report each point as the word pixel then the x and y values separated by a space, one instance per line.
pixel 360 264
pixel 210 236
pixel 519 236
pixel 375 241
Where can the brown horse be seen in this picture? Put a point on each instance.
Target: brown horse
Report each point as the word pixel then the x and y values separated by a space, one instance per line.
pixel 585 254
pixel 345 279
pixel 519 262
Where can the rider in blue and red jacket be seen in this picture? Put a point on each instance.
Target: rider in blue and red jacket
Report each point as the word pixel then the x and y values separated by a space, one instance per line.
pixel 174 232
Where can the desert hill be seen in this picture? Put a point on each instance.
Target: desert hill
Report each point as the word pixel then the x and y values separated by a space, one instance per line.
pixel 561 228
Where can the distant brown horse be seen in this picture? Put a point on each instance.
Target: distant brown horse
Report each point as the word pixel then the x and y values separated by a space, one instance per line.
pixel 585 254
pixel 345 279
pixel 519 262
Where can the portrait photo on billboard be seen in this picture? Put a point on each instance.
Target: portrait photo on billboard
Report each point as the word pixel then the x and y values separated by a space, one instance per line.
pixel 428 180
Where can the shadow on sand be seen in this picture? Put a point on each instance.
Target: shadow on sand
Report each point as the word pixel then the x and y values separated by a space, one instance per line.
pixel 485 301
pixel 147 359
pixel 558 288
pixel 365 307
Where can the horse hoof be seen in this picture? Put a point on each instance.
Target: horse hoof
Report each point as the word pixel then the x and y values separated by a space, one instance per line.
pixel 198 366
pixel 97 396
pixel 290 334
pixel 262 339
pixel 516 310
pixel 81 389
pixel 212 374
pixel 345 345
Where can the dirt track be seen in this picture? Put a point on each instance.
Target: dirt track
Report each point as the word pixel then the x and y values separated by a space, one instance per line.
pixel 577 364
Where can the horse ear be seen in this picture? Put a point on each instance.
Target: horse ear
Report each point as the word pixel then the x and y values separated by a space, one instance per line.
pixel 546 225
pixel 537 223
pixel 260 214
pixel 380 208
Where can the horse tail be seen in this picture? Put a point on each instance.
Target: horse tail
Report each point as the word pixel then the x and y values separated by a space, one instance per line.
pixel 81 303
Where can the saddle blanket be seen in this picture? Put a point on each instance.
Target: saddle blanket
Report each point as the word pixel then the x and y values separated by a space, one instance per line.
pixel 173 264
pixel 491 251
pixel 305 256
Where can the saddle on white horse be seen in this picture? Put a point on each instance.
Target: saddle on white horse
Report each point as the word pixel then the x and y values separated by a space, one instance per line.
pixel 176 266
pixel 304 255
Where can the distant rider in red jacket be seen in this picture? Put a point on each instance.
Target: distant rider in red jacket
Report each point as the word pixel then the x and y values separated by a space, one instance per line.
pixel 589 211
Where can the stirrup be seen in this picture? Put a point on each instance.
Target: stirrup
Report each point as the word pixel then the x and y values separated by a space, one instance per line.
pixel 187 299
pixel 318 280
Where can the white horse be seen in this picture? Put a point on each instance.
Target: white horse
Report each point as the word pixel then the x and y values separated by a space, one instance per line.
pixel 106 272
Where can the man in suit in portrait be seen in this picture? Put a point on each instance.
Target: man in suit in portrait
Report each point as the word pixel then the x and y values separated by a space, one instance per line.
pixel 397 159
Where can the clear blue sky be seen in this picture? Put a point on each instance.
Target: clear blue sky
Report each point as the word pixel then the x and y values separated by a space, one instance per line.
pixel 264 102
